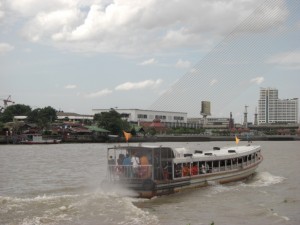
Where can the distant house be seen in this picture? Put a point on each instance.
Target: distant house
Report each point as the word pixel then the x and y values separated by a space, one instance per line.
pixel 74 117
pixel 156 124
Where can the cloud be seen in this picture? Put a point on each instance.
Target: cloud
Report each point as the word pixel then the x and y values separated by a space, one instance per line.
pixel 148 62
pixel 101 93
pixel 138 85
pixel 213 82
pixel 70 86
pixel 5 47
pixel 134 26
pixel 287 60
pixel 183 64
pixel 257 80
pixel 2 14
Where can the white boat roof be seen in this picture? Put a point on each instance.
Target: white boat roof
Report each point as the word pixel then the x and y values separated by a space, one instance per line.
pixel 215 154
pixel 225 152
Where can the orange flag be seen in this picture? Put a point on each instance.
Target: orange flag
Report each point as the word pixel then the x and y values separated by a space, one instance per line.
pixel 237 140
pixel 127 135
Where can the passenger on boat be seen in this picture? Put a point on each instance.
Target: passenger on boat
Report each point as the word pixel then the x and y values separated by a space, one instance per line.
pixel 145 171
pixel 127 166
pixel 195 169
pixel 186 171
pixel 203 170
pixel 135 164
pixel 120 159
pixel 119 168
pixel 111 163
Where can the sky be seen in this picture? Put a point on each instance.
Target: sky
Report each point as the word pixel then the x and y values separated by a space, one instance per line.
pixel 79 55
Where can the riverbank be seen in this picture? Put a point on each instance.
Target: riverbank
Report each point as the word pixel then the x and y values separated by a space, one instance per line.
pixel 198 138
pixel 171 138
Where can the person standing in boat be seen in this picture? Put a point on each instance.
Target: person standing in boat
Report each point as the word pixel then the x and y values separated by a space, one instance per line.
pixel 127 166
pixel 145 169
pixel 135 161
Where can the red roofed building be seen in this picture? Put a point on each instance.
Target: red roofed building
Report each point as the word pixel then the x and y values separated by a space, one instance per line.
pixel 156 124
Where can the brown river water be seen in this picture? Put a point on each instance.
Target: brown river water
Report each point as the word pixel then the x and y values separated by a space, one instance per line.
pixel 61 184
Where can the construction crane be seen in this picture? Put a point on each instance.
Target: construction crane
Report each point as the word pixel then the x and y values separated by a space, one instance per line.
pixel 6 101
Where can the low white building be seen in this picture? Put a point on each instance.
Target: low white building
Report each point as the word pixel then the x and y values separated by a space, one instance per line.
pixel 73 116
pixel 138 115
pixel 210 122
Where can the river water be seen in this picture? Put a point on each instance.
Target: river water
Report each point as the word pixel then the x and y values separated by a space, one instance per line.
pixel 60 184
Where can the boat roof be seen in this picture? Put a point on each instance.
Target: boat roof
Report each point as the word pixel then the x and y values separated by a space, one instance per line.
pixel 218 151
pixel 215 153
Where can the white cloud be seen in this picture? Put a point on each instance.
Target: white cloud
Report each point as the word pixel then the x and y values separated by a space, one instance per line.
pixel 101 93
pixel 70 86
pixel 183 64
pixel 287 60
pixel 138 85
pixel 5 47
pixel 257 80
pixel 213 82
pixel 2 14
pixel 148 62
pixel 51 24
pixel 135 26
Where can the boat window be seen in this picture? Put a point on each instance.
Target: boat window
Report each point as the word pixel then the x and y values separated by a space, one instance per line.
pixel 202 169
pixel 166 153
pixel 198 152
pixel 249 157
pixel 234 161
pixel 222 165
pixel 208 153
pixel 228 163
pixel 216 166
pixel 240 160
pixel 208 167
pixel 177 170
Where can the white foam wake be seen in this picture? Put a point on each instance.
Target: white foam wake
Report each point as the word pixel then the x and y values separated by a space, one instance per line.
pixel 264 179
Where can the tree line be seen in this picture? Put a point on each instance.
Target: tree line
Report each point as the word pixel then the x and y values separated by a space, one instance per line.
pixel 45 117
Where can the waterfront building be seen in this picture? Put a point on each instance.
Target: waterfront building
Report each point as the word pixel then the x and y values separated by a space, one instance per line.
pixel 74 117
pixel 141 115
pixel 213 122
pixel 272 110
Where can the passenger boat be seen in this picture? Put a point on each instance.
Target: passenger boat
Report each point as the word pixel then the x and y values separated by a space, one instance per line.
pixel 164 170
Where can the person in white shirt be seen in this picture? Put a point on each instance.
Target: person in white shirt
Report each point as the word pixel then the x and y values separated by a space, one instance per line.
pixel 135 161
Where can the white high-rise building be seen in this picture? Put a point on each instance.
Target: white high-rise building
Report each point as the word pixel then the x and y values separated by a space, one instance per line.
pixel 271 109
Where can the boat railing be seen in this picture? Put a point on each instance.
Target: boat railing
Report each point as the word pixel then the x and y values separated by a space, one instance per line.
pixel 117 172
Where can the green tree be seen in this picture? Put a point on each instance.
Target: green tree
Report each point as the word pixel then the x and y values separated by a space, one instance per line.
pixel 14 110
pixel 112 121
pixel 42 117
